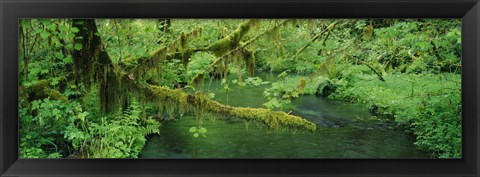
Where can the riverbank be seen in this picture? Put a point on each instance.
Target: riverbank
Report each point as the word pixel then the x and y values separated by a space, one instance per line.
pixel 428 105
pixel 425 105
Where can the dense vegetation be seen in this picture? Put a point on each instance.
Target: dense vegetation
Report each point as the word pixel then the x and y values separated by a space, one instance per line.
pixel 98 88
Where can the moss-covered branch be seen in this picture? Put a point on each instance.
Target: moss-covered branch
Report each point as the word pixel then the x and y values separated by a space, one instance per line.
pixel 232 40
pixel 272 119
pixel 239 51
pixel 328 30
pixel 177 49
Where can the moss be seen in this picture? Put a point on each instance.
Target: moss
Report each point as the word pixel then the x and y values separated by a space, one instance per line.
pixel 249 59
pixel 174 50
pixel 232 40
pixel 84 60
pixel 197 81
pixel 183 41
pixel 310 24
pixel 239 69
pixel 274 34
pixel 301 86
pixel 294 22
pixel 41 89
pixel 157 56
pixel 273 119
pixel 159 107
pixel 111 92
pixel 367 32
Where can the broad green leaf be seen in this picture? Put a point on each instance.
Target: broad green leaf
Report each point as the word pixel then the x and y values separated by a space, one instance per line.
pixel 78 46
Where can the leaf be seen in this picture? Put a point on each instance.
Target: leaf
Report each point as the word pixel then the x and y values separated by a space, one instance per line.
pixel 75 30
pixel 195 135
pixel 59 55
pixel 82 116
pixel 68 60
pixel 35 104
pixel 211 95
pixel 202 130
pixel 193 129
pixel 78 46
pixel 69 46
pixel 57 114
pixel 62 28
pixel 44 34
pixel 54 81
pixel 283 74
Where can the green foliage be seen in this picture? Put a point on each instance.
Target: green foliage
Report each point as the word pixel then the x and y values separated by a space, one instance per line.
pixel 42 126
pixel 281 93
pixel 404 69
pixel 196 132
pixel 53 129
pixel 255 81
pixel 428 105
pixel 118 136
pixel 44 48
pixel 359 54
pixel 199 64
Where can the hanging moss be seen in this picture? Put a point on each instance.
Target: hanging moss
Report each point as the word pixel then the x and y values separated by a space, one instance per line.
pixel 367 32
pixel 220 65
pixel 294 22
pixel 159 107
pixel 249 59
pixel 110 91
pixel 274 33
pixel 197 81
pixel 157 56
pixel 182 103
pixel 310 24
pixel 177 49
pixel 183 41
pixel 239 67
pixel 301 86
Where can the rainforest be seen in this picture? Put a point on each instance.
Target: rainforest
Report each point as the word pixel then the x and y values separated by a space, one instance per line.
pixel 240 88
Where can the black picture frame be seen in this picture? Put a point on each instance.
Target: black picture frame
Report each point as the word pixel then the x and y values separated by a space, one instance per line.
pixel 11 11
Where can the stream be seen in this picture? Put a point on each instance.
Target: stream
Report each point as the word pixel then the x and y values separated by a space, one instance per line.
pixel 343 131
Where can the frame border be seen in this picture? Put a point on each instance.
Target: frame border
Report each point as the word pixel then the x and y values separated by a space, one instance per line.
pixel 11 11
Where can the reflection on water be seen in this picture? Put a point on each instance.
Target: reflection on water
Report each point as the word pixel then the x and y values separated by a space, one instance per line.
pixel 343 131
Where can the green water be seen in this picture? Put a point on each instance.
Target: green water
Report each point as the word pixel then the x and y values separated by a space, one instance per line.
pixel 342 132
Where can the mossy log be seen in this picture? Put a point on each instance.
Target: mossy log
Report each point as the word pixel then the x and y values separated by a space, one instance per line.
pixel 273 119
pixel 39 90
